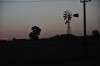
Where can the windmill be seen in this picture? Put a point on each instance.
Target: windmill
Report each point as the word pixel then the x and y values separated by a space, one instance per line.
pixel 68 16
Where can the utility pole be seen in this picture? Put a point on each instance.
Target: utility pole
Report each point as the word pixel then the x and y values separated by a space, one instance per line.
pixel 84 12
pixel 84 17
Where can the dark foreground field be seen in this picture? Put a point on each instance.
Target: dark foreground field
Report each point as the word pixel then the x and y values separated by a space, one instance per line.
pixel 49 53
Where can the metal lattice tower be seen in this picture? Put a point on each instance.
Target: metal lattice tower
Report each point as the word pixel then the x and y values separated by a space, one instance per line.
pixel 67 16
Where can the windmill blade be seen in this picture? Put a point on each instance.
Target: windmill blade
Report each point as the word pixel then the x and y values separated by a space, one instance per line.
pixel 69 13
pixel 65 14
pixel 65 17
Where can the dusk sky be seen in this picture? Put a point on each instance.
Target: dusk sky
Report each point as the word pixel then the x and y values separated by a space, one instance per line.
pixel 18 16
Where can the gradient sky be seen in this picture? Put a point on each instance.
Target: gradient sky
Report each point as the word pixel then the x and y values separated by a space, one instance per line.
pixel 18 16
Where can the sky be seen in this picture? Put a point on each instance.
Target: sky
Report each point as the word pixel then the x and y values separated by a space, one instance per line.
pixel 18 16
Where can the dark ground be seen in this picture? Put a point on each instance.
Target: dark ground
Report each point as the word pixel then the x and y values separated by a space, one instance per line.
pixel 50 52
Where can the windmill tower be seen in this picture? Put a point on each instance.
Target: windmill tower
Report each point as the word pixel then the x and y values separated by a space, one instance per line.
pixel 68 16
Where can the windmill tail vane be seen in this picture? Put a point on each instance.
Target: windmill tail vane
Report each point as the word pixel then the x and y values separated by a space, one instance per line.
pixel 76 15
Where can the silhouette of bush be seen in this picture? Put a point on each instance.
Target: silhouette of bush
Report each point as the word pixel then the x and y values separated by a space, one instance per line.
pixel 34 35
pixel 95 33
pixel 63 37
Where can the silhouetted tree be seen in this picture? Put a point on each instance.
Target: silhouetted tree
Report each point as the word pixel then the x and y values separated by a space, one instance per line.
pixel 34 35
pixel 95 33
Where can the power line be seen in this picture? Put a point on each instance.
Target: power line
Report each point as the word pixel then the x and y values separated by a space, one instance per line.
pixel 33 1
pixel 18 1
